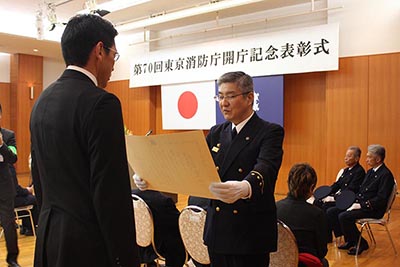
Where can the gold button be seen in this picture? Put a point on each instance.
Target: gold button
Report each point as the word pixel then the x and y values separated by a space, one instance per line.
pixel 235 212
pixel 217 167
pixel 217 209
pixel 260 184
pixel 247 138
pixel 240 170
pixel 218 145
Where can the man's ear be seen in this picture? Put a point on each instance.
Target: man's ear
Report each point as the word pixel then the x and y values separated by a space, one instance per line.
pixel 98 50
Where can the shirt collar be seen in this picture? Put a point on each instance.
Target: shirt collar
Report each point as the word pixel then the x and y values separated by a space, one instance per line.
pixel 84 71
pixel 376 168
pixel 240 126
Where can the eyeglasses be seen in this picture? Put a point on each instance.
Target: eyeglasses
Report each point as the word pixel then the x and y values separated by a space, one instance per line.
pixel 116 55
pixel 228 98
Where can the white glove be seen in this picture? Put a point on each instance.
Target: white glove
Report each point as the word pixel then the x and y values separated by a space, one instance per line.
pixel 231 191
pixel 328 199
pixel 355 206
pixel 140 183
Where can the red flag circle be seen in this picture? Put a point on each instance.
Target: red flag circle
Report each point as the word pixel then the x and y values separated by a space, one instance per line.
pixel 187 104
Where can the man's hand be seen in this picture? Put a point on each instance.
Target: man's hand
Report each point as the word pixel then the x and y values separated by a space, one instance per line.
pixel 355 206
pixel 30 189
pixel 140 183
pixel 328 199
pixel 230 191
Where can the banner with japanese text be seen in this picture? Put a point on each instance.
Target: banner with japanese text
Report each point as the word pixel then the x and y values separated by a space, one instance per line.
pixel 296 51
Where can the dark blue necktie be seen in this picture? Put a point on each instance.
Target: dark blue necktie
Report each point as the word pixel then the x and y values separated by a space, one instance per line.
pixel 234 132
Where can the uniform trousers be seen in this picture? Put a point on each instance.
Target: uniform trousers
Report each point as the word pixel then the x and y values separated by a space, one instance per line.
pixel 7 219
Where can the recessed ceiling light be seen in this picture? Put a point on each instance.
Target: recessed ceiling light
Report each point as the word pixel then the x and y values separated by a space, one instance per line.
pixel 35 50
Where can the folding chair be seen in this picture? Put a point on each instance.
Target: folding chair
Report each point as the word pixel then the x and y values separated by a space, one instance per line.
pixel 28 211
pixel 144 225
pixel 191 226
pixel 287 254
pixel 384 221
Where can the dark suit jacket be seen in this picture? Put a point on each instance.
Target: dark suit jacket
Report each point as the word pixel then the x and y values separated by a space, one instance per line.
pixel 350 179
pixel 246 226
pixel 308 224
pixel 78 145
pixel 7 187
pixel 375 191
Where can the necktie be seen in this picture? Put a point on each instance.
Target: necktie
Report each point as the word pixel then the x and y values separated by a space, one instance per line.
pixel 234 132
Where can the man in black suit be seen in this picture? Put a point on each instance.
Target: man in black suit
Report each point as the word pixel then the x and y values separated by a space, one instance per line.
pixel 241 227
pixel 167 238
pixel 78 148
pixel 350 178
pixel 371 200
pixel 8 156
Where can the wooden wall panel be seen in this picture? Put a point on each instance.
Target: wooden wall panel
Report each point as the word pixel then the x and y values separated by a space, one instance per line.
pixel 120 89
pixel 304 123
pixel 384 108
pixel 138 106
pixel 347 112
pixel 5 104
pixel 26 71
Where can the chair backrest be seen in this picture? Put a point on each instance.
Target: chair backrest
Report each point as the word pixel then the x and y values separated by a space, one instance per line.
pixel 391 200
pixel 143 222
pixel 287 254
pixel 191 226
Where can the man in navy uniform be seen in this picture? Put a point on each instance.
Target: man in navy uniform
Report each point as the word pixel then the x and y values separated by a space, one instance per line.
pixel 8 156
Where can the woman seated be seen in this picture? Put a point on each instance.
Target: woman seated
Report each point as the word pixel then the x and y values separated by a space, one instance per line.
pixel 307 222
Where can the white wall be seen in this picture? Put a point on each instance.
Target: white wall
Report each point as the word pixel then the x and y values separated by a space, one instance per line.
pixel 367 26
pixel 52 69
pixel 4 68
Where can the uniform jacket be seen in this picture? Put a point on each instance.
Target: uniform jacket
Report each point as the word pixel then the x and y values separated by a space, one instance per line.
pixel 7 158
pixel 350 179
pixel 375 190
pixel 255 154
pixel 78 148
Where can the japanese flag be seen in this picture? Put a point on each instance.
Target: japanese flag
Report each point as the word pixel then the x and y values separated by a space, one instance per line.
pixel 188 106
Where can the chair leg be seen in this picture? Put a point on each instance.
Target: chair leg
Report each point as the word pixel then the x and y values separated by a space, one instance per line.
pixel 371 234
pixel 391 240
pixel 32 223
pixel 359 238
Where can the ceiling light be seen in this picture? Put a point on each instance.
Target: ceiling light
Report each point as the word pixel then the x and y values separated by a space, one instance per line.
pixel 120 4
pixel 110 6
pixel 189 12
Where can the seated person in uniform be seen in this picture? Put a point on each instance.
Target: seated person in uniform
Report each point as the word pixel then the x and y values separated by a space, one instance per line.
pixel 307 222
pixel 167 238
pixel 350 178
pixel 25 197
pixel 370 202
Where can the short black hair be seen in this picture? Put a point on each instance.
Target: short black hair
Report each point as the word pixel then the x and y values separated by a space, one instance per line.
pixel 1 111
pixel 81 34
